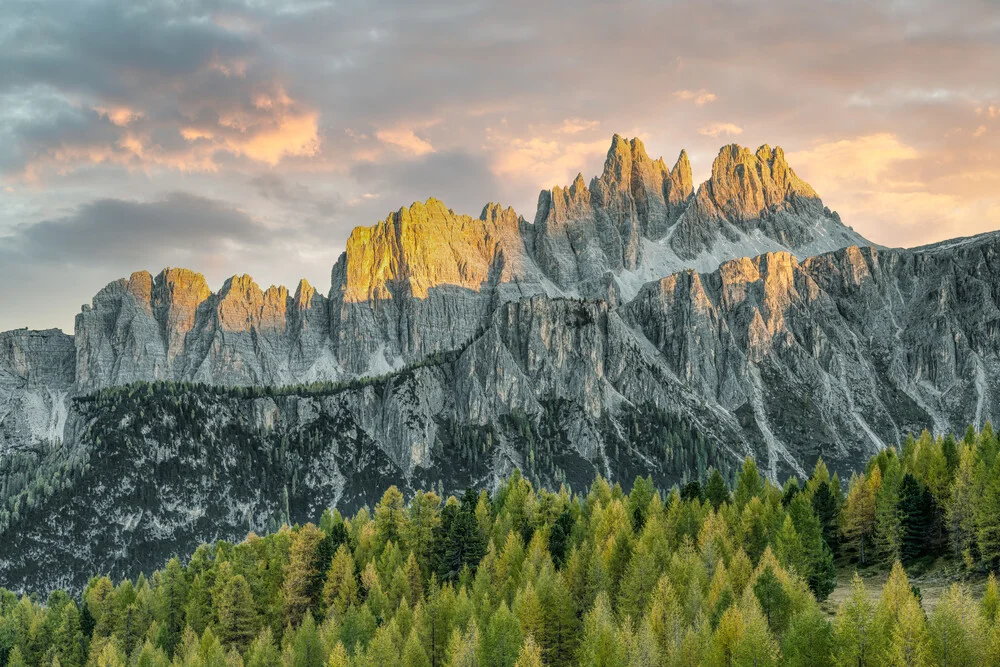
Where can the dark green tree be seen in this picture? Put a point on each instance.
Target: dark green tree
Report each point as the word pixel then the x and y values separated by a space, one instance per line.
pixel 774 601
pixel 716 489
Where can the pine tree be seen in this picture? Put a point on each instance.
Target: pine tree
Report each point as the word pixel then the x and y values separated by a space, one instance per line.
pixel 825 504
pixel 822 574
pixel 463 545
pixel 888 529
pixel 638 501
pixel 915 509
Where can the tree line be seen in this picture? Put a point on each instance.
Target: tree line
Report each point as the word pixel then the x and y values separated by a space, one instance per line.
pixel 711 573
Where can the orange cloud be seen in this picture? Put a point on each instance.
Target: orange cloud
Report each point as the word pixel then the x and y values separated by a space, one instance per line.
pixel 275 128
pixel 120 116
pixel 877 185
pixel 405 140
pixel 717 129
pixel 548 162
pixel 577 125
pixel 294 135
pixel 861 160
pixel 699 97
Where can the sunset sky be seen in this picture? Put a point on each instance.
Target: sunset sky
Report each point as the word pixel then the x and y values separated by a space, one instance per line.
pixel 248 136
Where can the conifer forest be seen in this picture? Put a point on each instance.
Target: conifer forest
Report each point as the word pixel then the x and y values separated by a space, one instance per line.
pixel 716 572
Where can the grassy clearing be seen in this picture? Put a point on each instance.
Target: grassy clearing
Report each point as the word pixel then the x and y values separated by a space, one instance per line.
pixel 931 578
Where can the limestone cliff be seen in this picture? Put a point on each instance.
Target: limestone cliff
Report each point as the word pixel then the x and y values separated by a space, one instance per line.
pixel 425 279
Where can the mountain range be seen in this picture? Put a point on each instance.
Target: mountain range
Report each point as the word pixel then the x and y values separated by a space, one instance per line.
pixel 639 325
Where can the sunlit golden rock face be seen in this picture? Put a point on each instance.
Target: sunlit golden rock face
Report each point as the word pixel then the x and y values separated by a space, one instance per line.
pixel 178 295
pixel 426 245
pixel 745 185
pixel 244 307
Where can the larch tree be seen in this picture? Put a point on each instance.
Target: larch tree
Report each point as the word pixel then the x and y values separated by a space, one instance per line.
pixel 859 513
pixel 960 510
pixel 856 642
pixel 237 613
pixel 303 573
pixel 955 628
pixel 987 511
pixel 808 642
pixel 530 655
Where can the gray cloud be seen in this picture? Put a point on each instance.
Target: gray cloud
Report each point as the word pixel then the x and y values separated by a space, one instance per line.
pixel 112 231
pixel 297 196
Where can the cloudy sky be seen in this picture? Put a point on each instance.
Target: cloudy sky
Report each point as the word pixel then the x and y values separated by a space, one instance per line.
pixel 234 136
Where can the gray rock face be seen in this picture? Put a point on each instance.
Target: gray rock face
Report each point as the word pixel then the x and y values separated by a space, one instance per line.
pixel 36 377
pixel 174 328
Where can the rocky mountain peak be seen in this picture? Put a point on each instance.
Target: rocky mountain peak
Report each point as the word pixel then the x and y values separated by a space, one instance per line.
pixel 498 215
pixel 304 294
pixel 682 182
pixel 755 201
pixel 744 185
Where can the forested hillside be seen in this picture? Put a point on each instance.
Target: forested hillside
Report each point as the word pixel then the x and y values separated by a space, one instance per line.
pixel 706 574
